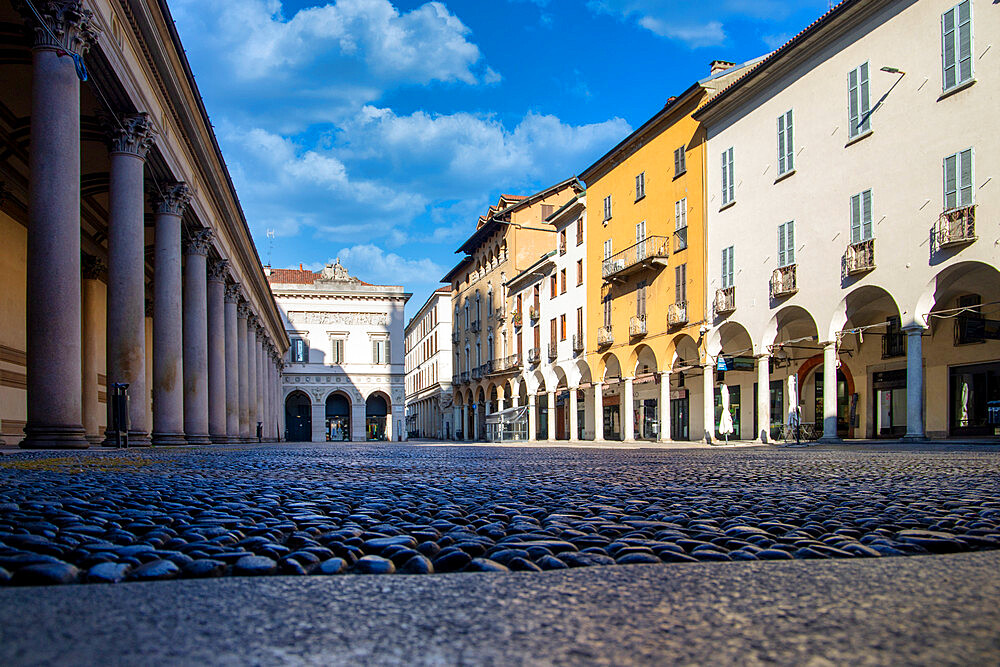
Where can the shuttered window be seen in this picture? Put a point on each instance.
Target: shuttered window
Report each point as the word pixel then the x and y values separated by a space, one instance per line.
pixel 728 187
pixel 640 186
pixel 640 300
pixel 958 191
pixel 680 283
pixel 680 163
pixel 858 102
pixel 956 45
pixel 338 350
pixel 607 207
pixel 727 267
pixel 786 244
pixel 786 150
pixel 680 214
pixel 861 216
pixel 380 351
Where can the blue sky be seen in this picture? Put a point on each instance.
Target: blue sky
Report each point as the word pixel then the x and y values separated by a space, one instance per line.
pixel 378 131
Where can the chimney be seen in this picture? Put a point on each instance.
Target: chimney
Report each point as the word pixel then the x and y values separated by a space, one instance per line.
pixel 720 66
pixel 300 266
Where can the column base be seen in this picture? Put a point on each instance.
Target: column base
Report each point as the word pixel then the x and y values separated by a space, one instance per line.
pixel 198 439
pixel 915 438
pixel 832 440
pixel 95 440
pixel 54 437
pixel 168 439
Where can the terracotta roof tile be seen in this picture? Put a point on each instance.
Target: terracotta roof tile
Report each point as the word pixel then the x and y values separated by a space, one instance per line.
pixel 292 277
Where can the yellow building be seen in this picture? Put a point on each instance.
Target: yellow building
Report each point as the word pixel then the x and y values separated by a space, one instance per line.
pixel 646 305
pixel 509 238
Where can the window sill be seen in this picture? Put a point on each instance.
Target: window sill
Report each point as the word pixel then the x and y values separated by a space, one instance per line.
pixel 679 174
pixel 784 176
pixel 727 205
pixel 638 199
pixel 957 89
pixel 863 135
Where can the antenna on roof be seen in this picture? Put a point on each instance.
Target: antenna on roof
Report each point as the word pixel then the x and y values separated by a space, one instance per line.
pixel 270 245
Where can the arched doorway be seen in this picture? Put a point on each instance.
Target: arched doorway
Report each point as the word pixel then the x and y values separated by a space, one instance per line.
pixel 376 417
pixel 298 417
pixel 338 417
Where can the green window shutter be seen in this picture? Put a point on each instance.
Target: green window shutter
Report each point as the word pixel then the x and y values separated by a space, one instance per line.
pixel 790 241
pixel 866 214
pixel 950 182
pixel 865 99
pixel 853 103
pixel 956 45
pixel 949 73
pixel 725 179
pixel 781 245
pixel 782 166
pixel 964 41
pixel 855 218
pixel 789 142
pixel 965 191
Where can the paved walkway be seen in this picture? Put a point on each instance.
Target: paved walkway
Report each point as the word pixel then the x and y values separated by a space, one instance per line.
pixel 921 610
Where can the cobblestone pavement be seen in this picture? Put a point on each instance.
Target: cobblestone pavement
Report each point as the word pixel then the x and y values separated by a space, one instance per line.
pixel 396 508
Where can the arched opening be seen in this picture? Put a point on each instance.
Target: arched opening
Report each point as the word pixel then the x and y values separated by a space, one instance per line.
pixel 338 417
pixel 792 339
pixel 735 370
pixel 376 417
pixel 645 394
pixel 541 408
pixel 685 384
pixel 612 398
pixel 561 411
pixel 298 417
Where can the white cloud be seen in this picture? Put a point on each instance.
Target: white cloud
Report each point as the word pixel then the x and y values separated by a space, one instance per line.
pixel 372 264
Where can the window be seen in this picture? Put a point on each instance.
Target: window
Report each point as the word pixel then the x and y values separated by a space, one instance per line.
pixel 680 164
pixel 553 286
pixel 607 207
pixel 958 190
pixel 562 242
pixel 640 299
pixel 786 244
pixel 562 327
pixel 640 232
pixel 546 211
pixel 562 281
pixel 727 267
pixel 861 216
pixel 640 186
pixel 466 313
pixel 489 346
pixel 338 350
pixel 858 102
pixel 538 336
pixel 681 214
pixel 537 294
pixel 300 352
pixel 579 272
pixel 479 354
pixel 579 323
pixel 786 146
pixel 607 249
pixel 728 188
pixel 970 326
pixel 680 284
pixel 579 231
pixel 956 45
pixel 489 303
pixel 380 350
pixel 607 310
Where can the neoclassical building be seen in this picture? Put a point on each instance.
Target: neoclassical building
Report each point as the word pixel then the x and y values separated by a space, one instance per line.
pixel 343 376
pixel 126 256
pixel 428 368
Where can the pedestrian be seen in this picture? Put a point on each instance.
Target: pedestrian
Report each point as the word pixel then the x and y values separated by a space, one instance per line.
pixel 260 431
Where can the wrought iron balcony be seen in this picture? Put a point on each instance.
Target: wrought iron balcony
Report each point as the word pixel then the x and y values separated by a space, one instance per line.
pixel 534 354
pixel 455 336
pixel 783 282
pixel 725 300
pixel 455 378
pixel 477 372
pixel 562 247
pixel 533 313
pixel 956 227
pixel 677 313
pixel 680 239
pixel 578 342
pixel 893 344
pixel 499 313
pixel 475 326
pixel 651 251
pixel 553 351
pixel 859 258
pixel 488 367
pixel 605 336
pixel 465 377
pixel 509 363
pixel 637 326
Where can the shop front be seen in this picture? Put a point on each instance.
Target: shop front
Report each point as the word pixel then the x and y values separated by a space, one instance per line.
pixel 889 388
pixel 974 400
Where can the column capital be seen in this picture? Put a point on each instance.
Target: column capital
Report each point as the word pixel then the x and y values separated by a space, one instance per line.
pixel 171 198
pixel 132 134
pixel 218 270
pixel 60 24
pixel 92 267
pixel 198 242
pixel 233 293
pixel 914 329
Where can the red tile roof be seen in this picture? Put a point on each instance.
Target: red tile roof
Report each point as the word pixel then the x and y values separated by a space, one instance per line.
pixel 292 276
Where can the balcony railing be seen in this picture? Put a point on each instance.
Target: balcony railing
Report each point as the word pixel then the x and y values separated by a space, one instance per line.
pixel 533 313
pixel 553 351
pixel 783 282
pixel 499 313
pixel 680 239
pixel 956 227
pixel 477 372
pixel 509 363
pixel 893 344
pixel 455 378
pixel 651 251
pixel 465 377
pixel 725 300
pixel 578 342
pixel 455 336
pixel 605 336
pixel 637 326
pixel 516 318
pixel 475 326
pixel 859 258
pixel 677 313
pixel 534 354
pixel 562 247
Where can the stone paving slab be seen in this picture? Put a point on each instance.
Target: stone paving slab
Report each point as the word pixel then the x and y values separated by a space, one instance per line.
pixel 922 610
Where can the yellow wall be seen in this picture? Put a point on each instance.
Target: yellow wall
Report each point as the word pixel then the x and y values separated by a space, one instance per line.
pixel 13 252
pixel 655 157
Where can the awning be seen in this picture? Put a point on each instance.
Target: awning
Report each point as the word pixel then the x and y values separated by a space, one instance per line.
pixel 508 415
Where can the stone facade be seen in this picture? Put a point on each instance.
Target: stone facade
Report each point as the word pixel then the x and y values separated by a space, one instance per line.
pixel 429 394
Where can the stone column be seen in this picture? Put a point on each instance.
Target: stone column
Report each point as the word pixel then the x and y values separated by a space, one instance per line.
pixel 168 338
pixel 550 408
pixel 664 407
pixel 131 140
pixel 261 380
pixel 914 384
pixel 93 271
pixel 242 327
pixel 53 290
pixel 830 392
pixel 251 363
pixel 281 398
pixel 574 432
pixel 455 417
pixel 708 401
pixel 628 410
pixel 216 285
pixel 196 337
pixel 532 418
pixel 763 398
pixel 232 297
pixel 149 362
pixel 598 411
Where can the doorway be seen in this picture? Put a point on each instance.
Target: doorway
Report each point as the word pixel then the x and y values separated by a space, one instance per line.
pixel 338 418
pixel 298 417
pixel 680 415
pixel 376 413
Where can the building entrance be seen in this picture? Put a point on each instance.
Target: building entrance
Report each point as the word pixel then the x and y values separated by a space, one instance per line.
pixel 338 418
pixel 376 413
pixel 298 418
pixel 974 402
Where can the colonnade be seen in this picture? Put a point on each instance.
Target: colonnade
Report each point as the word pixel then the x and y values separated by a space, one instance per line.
pixel 213 369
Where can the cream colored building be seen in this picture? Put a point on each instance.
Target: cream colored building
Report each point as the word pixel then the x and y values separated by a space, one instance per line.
pixel 126 256
pixel 852 207
pixel 343 374
pixel 429 394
